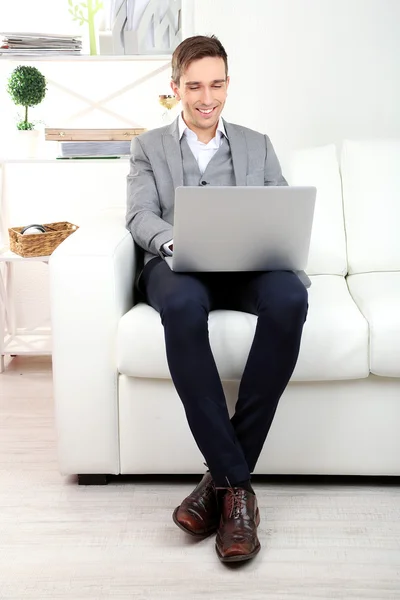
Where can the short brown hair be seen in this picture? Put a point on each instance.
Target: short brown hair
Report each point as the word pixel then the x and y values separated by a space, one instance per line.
pixel 194 48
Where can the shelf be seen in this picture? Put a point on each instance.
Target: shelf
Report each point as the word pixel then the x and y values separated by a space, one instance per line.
pixel 8 256
pixel 88 58
pixel 64 160
pixel 28 343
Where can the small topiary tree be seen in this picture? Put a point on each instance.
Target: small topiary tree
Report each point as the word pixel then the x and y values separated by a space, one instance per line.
pixel 27 87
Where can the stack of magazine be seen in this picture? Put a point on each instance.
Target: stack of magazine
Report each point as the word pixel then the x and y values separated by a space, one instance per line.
pixel 39 44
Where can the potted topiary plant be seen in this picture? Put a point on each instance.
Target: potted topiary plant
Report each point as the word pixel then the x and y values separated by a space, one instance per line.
pixel 27 88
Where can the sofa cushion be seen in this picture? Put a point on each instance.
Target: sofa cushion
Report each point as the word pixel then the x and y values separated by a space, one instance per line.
pixel 371 194
pixel 320 167
pixel 334 344
pixel 378 296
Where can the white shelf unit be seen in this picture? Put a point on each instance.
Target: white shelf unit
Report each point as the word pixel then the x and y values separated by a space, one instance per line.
pixel 7 256
pixel 13 342
pixel 45 191
pixel 34 342
pixel 70 189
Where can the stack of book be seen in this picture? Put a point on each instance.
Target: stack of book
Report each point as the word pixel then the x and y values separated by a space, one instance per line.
pixel 93 143
pixel 94 149
pixel 39 44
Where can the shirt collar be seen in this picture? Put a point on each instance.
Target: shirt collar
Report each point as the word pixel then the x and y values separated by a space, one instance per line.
pixel 184 129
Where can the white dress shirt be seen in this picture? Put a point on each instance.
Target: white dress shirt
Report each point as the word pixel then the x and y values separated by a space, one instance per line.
pixel 202 152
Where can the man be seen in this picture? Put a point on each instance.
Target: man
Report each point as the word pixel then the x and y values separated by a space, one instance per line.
pixel 201 147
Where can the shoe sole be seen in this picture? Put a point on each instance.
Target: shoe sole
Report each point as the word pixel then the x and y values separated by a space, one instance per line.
pixel 239 557
pixel 189 531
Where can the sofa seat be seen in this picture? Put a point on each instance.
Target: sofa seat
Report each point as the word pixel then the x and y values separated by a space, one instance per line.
pixel 378 296
pixel 334 344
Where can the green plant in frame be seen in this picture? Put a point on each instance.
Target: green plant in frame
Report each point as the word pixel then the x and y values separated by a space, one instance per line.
pixel 85 12
pixel 27 87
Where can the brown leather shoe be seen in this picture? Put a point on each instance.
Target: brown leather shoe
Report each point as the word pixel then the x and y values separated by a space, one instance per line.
pixel 237 533
pixel 199 513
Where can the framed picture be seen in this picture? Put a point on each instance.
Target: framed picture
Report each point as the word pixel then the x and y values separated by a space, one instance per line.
pixel 145 26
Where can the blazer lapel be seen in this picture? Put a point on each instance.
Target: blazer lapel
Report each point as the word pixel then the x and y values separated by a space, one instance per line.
pixel 170 140
pixel 237 142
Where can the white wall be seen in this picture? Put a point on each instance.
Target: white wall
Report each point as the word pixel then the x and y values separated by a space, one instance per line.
pixel 87 94
pixel 45 16
pixel 84 93
pixel 307 72
pixel 310 72
pixel 47 192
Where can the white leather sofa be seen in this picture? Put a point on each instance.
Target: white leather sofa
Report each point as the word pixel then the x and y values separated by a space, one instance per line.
pixel 116 407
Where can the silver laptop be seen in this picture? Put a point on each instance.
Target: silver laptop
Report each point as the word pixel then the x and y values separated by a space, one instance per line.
pixel 242 228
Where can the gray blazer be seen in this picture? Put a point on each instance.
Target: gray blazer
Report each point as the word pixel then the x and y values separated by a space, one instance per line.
pixel 156 171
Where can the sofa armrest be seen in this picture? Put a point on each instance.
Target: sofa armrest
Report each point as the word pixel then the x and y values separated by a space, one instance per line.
pixel 91 286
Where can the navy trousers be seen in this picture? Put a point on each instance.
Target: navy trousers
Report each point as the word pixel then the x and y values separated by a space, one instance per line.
pixel 231 447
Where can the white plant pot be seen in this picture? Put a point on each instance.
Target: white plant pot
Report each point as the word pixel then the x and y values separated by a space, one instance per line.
pixel 27 143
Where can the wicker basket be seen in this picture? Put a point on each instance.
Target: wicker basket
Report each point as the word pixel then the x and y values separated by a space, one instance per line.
pixel 40 244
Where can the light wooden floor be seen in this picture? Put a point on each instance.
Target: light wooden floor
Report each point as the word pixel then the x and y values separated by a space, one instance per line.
pixel 58 540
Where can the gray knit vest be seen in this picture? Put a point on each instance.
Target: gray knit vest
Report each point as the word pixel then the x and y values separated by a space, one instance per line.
pixel 219 170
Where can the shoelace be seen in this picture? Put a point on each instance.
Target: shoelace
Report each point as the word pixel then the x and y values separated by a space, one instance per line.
pixel 209 489
pixel 237 501
pixel 210 486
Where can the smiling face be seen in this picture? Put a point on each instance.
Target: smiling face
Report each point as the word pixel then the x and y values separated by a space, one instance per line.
pixel 202 89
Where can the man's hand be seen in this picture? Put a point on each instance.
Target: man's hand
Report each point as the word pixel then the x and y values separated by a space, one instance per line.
pixel 169 248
